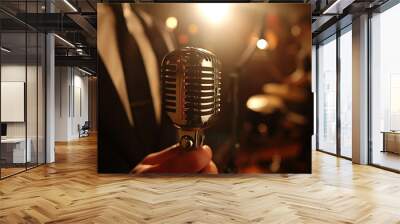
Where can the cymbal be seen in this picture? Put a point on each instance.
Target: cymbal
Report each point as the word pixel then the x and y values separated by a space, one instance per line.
pixel 265 104
pixel 285 91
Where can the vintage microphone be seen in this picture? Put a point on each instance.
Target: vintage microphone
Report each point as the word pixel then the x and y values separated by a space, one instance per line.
pixel 191 92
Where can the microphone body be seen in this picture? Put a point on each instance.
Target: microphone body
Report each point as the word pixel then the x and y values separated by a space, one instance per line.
pixel 191 92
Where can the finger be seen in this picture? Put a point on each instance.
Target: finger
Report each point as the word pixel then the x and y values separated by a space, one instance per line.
pixel 211 168
pixel 140 169
pixel 162 156
pixel 185 161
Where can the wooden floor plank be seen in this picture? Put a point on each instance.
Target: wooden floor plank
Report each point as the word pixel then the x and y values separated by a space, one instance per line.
pixel 71 191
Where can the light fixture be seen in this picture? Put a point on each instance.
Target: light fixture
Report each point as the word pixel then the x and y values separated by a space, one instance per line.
pixel 337 7
pixel 215 12
pixel 5 50
pixel 70 5
pixel 65 41
pixel 262 44
pixel 84 71
pixel 171 22
pixel 79 51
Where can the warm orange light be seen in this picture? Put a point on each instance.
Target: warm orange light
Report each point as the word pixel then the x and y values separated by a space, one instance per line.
pixel 171 22
pixel 257 102
pixel 265 104
pixel 193 29
pixel 183 39
pixel 272 40
pixel 295 30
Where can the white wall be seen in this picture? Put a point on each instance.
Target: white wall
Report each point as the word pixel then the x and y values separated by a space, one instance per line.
pixel 71 102
pixel 16 73
pixel 33 127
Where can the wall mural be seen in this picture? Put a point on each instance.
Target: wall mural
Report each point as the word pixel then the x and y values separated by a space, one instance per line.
pixel 205 88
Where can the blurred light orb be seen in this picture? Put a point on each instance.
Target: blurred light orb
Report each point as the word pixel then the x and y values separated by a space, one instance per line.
pixel 265 104
pixel 262 44
pixel 295 30
pixel 171 22
pixel 272 40
pixel 183 39
pixel 215 12
pixel 193 29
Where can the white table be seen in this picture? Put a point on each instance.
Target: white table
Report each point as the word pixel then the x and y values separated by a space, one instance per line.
pixel 19 153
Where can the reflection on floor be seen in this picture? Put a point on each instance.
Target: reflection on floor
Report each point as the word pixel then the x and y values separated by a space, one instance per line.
pixel 10 169
pixel 71 191
pixel 387 159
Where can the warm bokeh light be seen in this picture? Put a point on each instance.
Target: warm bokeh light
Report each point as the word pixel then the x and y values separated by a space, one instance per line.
pixel 272 40
pixel 262 44
pixel 193 29
pixel 171 22
pixel 264 104
pixel 215 12
pixel 183 39
pixel 295 30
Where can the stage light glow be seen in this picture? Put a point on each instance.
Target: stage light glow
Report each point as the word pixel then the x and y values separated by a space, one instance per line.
pixel 171 22
pixel 262 44
pixel 215 12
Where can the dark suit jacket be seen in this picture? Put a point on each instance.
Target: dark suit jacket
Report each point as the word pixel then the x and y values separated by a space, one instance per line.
pixel 120 145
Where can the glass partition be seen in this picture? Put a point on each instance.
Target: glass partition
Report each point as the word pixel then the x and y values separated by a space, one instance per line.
pixel 41 91
pixel 13 109
pixel 327 95
pixel 22 88
pixel 31 99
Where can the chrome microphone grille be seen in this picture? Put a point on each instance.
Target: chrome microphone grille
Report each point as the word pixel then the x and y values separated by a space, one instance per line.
pixel 191 87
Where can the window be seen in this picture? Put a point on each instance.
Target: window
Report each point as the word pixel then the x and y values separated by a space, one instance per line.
pixel 327 95
pixel 346 93
pixel 385 89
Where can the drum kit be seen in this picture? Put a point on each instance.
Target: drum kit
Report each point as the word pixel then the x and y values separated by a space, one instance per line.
pixel 272 133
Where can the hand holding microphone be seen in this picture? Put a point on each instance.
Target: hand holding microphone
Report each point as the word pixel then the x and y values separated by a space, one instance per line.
pixel 191 93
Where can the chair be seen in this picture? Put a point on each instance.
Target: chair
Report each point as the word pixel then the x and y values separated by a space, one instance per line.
pixel 84 130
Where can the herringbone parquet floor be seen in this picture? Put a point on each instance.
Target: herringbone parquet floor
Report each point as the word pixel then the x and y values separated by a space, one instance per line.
pixel 70 191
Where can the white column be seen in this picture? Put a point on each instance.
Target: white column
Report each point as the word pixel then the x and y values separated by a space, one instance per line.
pixel 50 99
pixel 360 90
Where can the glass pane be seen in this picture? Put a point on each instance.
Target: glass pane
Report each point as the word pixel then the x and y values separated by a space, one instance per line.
pixel 313 88
pixel 385 84
pixel 31 97
pixel 41 98
pixel 346 94
pixel 327 96
pixel 13 88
